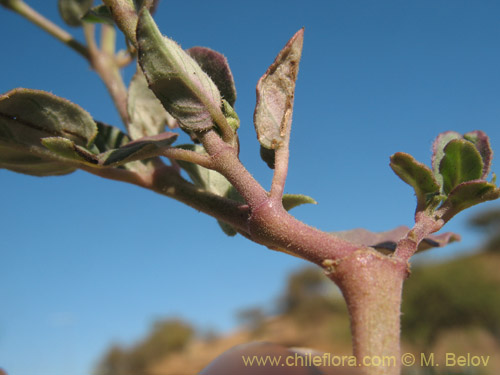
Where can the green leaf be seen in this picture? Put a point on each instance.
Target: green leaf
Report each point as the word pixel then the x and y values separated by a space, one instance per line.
pixel 417 175
pixel 227 229
pixel 293 200
pixel 109 137
pixel 275 94
pixel 468 194
pixel 461 162
pixel 67 149
pixel 46 112
pixel 99 14
pixel 482 144
pixel 183 88
pixel 438 151
pixel 140 149
pixel 72 11
pixel 34 161
pixel 27 116
pixel 146 113
pixel 231 116
pixel 216 66
pixel 268 156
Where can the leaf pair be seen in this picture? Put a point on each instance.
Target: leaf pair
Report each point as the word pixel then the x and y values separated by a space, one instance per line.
pixel 196 86
pixel 42 134
pixel 26 117
pixel 460 166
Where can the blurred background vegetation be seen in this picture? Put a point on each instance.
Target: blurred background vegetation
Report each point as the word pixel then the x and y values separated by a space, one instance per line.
pixel 448 307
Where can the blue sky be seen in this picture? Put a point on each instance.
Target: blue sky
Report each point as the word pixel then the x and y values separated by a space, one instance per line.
pixel 87 262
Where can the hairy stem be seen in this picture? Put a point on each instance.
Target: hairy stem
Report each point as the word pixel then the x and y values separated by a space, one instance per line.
pixel 269 223
pixel 225 161
pixel 45 24
pixel 372 285
pixel 125 17
pixel 188 155
pixel 408 245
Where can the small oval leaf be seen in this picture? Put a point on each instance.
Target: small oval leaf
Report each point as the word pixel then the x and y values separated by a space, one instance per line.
pixel 183 88
pixel 67 149
pixel 461 162
pixel 293 200
pixel 231 116
pixel 140 149
pixel 468 194
pixel 438 151
pixel 268 156
pixel 216 66
pixel 32 161
pixel 275 94
pixel 482 143
pixel 417 175
pixel 99 14
pixel 72 11
pixel 146 113
pixel 27 116
pixel 40 110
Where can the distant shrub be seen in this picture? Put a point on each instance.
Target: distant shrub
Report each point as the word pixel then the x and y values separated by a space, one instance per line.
pixel 166 337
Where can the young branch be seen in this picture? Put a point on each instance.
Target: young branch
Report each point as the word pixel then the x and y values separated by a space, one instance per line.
pixel 225 161
pixel 166 181
pixel 270 224
pixel 125 17
pixel 106 66
pixel 45 24
pixel 188 155
pixel 424 225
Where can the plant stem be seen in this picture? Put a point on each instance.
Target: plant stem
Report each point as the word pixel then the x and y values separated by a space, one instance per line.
pixel 424 225
pixel 269 223
pixel 188 155
pixel 225 161
pixel 281 156
pixel 45 24
pixel 125 17
pixel 106 66
pixel 166 181
pixel 108 39
pixel 372 284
